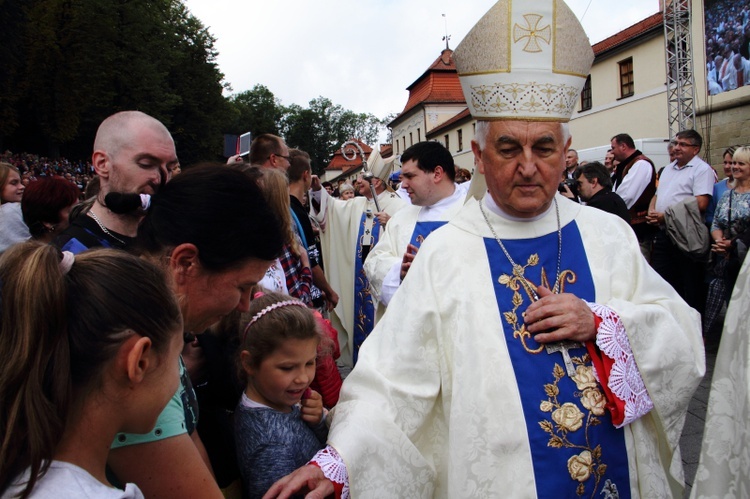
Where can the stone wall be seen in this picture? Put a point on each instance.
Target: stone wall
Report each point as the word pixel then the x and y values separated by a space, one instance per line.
pixel 724 126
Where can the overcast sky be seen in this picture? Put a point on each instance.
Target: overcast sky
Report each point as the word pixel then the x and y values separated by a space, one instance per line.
pixel 361 54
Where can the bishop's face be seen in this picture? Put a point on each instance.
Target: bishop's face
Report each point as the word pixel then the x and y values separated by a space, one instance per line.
pixel 522 162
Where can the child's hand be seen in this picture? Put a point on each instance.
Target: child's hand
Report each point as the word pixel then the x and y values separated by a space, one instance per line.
pixel 312 407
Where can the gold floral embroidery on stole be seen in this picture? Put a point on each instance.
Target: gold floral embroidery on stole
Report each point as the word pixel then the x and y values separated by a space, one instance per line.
pixel 566 418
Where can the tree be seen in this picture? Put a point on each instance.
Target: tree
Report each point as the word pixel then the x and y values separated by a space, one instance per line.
pixel 363 126
pixel 13 19
pixel 258 111
pixel 311 130
pixel 384 125
pixel 86 59
pixel 323 127
pixel 199 116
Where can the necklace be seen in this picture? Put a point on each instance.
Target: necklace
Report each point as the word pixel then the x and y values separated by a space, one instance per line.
pixel 517 269
pixel 512 318
pixel 104 229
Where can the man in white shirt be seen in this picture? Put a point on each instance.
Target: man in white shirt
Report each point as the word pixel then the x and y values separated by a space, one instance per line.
pixel 635 183
pixel 688 175
pixel 428 175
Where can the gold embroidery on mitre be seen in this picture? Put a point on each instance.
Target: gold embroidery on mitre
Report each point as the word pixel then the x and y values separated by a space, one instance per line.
pixel 531 98
pixel 532 32
pixel 518 281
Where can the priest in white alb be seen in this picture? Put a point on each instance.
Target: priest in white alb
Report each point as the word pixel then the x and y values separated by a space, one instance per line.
pixel 428 175
pixel 519 357
pixel 349 230
pixel 724 467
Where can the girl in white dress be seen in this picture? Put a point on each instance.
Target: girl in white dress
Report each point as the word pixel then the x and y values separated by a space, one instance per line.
pixel 89 347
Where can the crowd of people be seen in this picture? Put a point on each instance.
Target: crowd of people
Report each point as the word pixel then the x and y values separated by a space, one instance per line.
pixel 727 45
pixel 246 330
pixel 626 184
pixel 32 167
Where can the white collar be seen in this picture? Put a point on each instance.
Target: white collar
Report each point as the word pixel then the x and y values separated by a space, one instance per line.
pixel 494 208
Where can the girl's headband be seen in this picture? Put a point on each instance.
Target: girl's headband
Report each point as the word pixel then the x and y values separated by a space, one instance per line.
pixel 273 306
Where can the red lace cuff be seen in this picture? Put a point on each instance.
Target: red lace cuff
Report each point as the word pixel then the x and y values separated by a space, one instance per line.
pixel 615 368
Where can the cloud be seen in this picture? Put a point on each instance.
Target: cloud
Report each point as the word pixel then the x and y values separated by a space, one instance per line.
pixel 362 54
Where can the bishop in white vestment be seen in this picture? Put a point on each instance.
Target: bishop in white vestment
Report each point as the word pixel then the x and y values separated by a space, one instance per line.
pixel 530 351
pixel 448 401
pixel 346 228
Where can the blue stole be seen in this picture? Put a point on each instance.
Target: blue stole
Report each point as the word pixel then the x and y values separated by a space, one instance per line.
pixel 364 309
pixel 422 230
pixel 575 449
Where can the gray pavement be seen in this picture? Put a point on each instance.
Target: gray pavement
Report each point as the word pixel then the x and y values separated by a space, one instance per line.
pixel 692 433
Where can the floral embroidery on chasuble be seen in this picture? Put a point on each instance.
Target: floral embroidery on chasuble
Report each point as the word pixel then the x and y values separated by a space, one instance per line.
pixel 575 449
pixel 422 230
pixel 364 309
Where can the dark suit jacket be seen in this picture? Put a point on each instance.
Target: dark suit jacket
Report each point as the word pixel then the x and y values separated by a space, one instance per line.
pixel 610 202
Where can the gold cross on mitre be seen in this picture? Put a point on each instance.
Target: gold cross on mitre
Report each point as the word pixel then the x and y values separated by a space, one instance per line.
pixel 533 32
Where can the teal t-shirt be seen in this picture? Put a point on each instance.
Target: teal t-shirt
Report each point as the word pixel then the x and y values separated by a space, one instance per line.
pixel 179 416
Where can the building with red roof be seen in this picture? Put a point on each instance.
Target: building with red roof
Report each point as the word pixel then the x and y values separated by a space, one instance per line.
pixel 434 98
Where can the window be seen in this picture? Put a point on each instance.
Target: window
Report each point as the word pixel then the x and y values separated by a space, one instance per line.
pixel 586 95
pixel 404 143
pixel 411 139
pixel 419 135
pixel 447 142
pixel 460 140
pixel 397 147
pixel 627 86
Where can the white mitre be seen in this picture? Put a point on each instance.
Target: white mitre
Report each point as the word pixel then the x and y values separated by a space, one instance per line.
pixel 524 60
pixel 381 168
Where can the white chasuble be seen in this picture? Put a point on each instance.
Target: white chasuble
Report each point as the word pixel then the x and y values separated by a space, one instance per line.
pixel 441 403
pixel 724 468
pixel 411 225
pixel 345 227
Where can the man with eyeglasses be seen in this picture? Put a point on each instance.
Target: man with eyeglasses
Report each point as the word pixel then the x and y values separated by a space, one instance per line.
pixel 269 151
pixel 688 175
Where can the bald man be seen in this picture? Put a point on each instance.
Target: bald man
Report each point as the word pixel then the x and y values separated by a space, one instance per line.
pixel 133 153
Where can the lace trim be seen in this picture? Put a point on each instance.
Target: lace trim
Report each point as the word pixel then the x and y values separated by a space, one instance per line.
pixel 333 467
pixel 625 379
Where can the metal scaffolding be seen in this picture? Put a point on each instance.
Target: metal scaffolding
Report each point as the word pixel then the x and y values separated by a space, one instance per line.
pixel 679 51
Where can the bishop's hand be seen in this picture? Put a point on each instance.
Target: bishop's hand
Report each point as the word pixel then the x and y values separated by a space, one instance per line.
pixel 307 479
pixel 559 317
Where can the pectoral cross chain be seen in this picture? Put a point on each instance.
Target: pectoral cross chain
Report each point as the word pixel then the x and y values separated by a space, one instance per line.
pixel 563 347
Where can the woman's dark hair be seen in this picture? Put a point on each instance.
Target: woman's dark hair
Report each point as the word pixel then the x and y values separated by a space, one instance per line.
pixel 42 201
pixel 218 209
pixel 730 150
pixel 57 332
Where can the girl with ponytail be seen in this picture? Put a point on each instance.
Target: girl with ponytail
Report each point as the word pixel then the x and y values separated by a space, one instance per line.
pixel 89 348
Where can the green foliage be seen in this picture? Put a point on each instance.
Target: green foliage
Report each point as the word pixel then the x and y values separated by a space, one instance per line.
pixel 257 111
pixel 323 127
pixel 80 61
pixel 68 64
pixel 13 18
